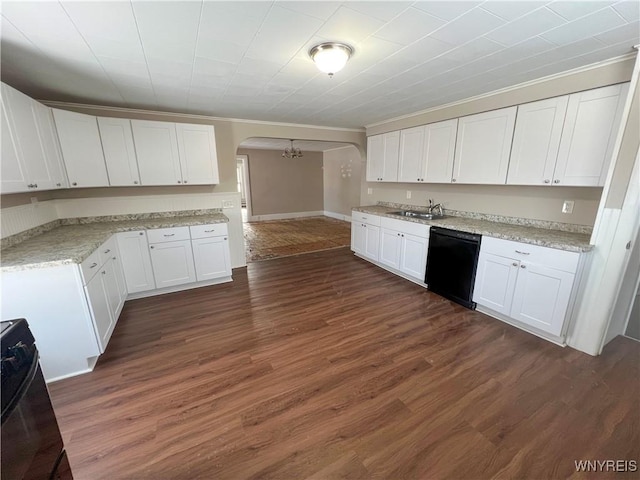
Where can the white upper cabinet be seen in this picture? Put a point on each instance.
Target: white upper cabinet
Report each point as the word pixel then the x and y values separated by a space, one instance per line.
pixel 50 145
pixel 156 146
pixel 439 149
pixel 588 136
pixel 24 128
pixel 198 156
pixel 536 141
pixel 119 152
pixel 412 161
pixel 483 146
pixel 383 154
pixel 12 175
pixel 81 149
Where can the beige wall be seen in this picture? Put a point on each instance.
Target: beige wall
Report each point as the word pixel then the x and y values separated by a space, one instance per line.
pixel 540 203
pixel 342 174
pixel 284 185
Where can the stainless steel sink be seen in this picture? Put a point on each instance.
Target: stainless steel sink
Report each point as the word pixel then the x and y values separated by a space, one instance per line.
pixel 418 214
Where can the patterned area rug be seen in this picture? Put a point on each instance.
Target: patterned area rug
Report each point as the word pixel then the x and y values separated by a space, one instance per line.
pixel 283 238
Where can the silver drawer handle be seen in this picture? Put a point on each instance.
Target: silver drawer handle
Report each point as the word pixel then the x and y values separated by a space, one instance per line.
pixel 523 253
pixel 93 265
pixel 168 234
pixel 106 251
pixel 209 231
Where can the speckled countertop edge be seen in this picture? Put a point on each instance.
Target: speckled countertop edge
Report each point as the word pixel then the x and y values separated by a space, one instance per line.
pixel 545 237
pixel 75 241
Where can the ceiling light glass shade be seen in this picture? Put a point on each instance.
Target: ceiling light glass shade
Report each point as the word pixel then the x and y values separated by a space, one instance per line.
pixel 330 57
pixel 292 152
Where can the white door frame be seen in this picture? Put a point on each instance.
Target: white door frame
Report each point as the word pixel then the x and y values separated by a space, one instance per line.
pixel 247 184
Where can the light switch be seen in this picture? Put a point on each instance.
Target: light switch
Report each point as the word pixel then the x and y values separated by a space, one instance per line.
pixel 408 193
pixel 227 204
pixel 369 191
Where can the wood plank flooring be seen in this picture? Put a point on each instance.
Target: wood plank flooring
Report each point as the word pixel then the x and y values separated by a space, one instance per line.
pixel 324 366
pixel 283 238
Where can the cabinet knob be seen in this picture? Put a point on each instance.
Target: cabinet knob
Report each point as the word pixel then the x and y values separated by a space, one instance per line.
pixel 179 181
pixel 453 180
pixel 113 258
pixel 107 251
pixel 402 235
pixel 151 246
pixel 58 184
pixel 547 180
pixel 35 185
pixel 515 264
pixel 74 183
pixel 184 181
pixel 135 182
pixel 225 238
pixel 398 234
pixel 104 272
pixel 141 233
pixel 522 266
pixel 556 181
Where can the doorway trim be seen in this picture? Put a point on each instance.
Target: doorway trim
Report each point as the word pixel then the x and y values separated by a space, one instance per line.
pixel 247 183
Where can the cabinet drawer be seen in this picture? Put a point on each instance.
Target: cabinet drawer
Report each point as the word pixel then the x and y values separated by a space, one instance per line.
pixel 173 234
pixel 412 228
pixel 107 250
pixel 365 218
pixel 524 252
pixel 90 266
pixel 211 230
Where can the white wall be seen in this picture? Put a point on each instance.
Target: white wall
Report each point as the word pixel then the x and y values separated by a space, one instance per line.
pixel 342 171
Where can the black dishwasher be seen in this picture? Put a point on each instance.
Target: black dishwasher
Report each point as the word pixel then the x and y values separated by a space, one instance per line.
pixel 452 260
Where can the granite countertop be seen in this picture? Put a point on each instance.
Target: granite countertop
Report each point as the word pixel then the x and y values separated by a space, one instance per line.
pixel 546 237
pixel 68 244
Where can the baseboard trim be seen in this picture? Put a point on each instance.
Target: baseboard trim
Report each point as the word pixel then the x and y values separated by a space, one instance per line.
pixel 178 288
pixel 285 216
pixel 337 216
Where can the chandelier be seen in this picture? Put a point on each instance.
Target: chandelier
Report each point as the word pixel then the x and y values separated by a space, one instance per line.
pixel 291 152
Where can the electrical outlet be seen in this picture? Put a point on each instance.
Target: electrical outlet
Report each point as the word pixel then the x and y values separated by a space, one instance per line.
pixel 567 206
pixel 369 191
pixel 408 194
pixel 227 204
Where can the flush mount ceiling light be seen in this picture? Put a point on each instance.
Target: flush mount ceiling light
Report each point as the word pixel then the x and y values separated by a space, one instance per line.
pixel 291 152
pixel 330 57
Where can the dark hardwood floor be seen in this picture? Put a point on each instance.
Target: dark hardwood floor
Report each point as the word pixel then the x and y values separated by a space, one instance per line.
pixel 324 366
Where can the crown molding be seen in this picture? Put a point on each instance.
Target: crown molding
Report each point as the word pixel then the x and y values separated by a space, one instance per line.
pixel 586 68
pixel 55 103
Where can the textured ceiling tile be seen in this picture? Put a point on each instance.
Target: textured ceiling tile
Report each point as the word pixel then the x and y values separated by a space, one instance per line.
pixel 447 10
pixel 584 27
pixel 629 10
pixel 572 10
pixel 349 26
pixel 409 26
pixel 532 24
pixel 473 24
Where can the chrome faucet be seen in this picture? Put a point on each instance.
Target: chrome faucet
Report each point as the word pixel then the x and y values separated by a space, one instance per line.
pixel 437 207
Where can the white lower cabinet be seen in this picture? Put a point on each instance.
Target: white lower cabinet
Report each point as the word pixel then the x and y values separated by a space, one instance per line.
pixel 527 283
pixel 172 263
pixel 136 261
pixel 365 235
pixel 211 255
pixel 413 257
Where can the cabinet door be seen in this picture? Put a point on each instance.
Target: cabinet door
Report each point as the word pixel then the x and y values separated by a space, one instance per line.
pixel 12 175
pixel 358 238
pixel 412 161
pixel 157 151
pixel 495 282
pixel 541 297
pixel 588 136
pixel 103 321
pixel 372 242
pixel 51 146
pixel 211 257
pixel 81 149
pixel 172 263
pixel 119 152
pixel 119 275
pixel 413 258
pixel 536 141
pixel 21 115
pixel 391 156
pixel 375 158
pixel 136 261
pixel 483 145
pixel 439 149
pixel 198 156
pixel 390 247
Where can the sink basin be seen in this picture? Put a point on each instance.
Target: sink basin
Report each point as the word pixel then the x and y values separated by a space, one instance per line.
pixel 418 214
